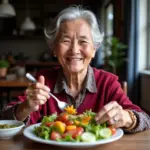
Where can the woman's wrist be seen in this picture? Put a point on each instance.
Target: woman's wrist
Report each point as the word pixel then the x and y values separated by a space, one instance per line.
pixel 22 111
pixel 128 120
pixel 131 120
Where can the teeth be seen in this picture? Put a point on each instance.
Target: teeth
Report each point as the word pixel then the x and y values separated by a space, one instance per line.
pixel 74 58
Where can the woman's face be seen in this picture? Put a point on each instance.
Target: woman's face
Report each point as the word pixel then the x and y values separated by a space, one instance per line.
pixel 74 46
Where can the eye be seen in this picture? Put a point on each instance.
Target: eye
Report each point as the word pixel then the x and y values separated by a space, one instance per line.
pixel 83 42
pixel 66 41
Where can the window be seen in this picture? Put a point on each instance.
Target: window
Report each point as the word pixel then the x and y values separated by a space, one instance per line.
pixel 148 33
pixel 144 36
pixel 109 16
pixel 108 27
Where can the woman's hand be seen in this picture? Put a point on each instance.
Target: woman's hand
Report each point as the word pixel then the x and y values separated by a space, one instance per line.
pixel 37 94
pixel 114 114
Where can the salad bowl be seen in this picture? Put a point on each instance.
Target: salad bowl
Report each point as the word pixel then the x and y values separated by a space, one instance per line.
pixel 9 128
pixel 69 129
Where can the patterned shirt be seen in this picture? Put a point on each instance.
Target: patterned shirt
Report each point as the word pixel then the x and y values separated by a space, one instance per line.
pixel 89 84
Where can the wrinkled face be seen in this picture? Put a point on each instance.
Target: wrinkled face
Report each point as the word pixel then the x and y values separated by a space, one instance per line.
pixel 74 46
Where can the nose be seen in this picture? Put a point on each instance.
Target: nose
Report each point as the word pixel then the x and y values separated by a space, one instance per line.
pixel 75 48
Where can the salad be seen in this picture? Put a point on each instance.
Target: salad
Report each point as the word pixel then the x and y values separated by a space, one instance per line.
pixel 68 126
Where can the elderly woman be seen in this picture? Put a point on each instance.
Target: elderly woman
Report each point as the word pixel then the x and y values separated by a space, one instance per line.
pixel 74 37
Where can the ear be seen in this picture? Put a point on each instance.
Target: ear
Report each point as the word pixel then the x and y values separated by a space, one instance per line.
pixel 93 54
pixel 54 53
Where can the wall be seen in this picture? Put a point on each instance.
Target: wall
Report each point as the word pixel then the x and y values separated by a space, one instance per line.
pixel 40 12
pixel 145 94
pixel 31 48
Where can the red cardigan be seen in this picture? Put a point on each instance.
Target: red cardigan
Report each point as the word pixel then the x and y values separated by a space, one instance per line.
pixel 108 87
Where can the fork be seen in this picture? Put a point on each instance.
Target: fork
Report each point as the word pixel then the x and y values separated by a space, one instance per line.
pixel 60 104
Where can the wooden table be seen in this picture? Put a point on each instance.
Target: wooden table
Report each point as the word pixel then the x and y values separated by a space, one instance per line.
pixel 138 141
pixel 21 82
pixel 9 86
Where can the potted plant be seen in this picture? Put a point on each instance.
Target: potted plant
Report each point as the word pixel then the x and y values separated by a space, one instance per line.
pixel 114 55
pixel 4 64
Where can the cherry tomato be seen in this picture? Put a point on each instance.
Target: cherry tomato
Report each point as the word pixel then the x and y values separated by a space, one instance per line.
pixel 74 133
pixel 48 124
pixel 63 117
pixel 55 135
pixel 113 130
pixel 80 130
pixel 71 132
pixel 69 122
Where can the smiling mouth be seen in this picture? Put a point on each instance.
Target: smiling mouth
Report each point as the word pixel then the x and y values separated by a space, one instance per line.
pixel 74 59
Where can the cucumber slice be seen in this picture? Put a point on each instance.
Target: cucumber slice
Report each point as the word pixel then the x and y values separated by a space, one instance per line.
pixel 88 137
pixel 105 133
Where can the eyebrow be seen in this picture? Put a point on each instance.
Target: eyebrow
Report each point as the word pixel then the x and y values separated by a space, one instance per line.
pixel 62 35
pixel 65 35
pixel 83 37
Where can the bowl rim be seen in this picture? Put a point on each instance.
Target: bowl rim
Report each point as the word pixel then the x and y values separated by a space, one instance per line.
pixel 22 124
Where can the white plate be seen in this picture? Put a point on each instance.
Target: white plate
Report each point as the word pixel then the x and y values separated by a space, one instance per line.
pixel 28 132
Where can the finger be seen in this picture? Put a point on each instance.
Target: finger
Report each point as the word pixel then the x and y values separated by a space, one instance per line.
pixel 108 116
pixel 118 124
pixel 37 94
pixel 39 85
pixel 31 85
pixel 40 102
pixel 34 101
pixel 27 93
pixel 41 92
pixel 114 120
pixel 39 97
pixel 105 109
pixel 28 90
pixel 41 79
pixel 111 122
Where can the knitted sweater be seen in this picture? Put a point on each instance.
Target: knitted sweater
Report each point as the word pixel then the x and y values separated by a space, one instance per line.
pixel 108 87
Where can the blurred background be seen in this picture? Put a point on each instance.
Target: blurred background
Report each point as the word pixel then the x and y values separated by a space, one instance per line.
pixel 125 50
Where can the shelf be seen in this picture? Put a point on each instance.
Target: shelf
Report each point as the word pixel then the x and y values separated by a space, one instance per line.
pixel 41 64
pixel 22 37
pixel 32 65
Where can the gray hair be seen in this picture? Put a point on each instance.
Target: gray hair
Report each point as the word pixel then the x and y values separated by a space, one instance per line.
pixel 72 13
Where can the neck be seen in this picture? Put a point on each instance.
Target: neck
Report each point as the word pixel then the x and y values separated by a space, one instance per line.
pixel 75 81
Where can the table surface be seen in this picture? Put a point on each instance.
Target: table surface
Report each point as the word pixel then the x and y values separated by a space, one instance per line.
pixel 11 88
pixel 138 141
pixel 21 82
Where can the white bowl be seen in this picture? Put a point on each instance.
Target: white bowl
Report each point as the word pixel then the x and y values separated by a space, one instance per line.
pixel 10 132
